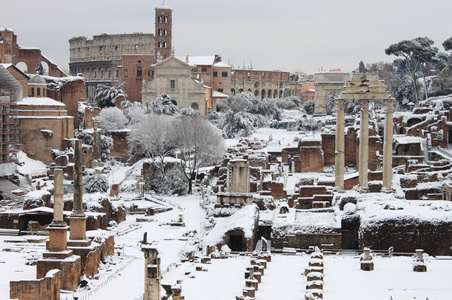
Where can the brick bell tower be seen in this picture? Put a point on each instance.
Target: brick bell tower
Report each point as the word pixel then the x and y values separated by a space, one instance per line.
pixel 163 30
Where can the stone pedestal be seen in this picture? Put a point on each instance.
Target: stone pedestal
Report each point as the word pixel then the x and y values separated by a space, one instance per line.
pixel 57 242
pixel 78 228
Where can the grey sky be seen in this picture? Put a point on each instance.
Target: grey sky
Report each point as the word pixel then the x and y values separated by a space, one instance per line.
pixel 290 35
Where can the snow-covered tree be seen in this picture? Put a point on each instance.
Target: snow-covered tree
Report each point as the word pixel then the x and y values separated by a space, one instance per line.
pixel 112 118
pixel 106 95
pixel 162 106
pixel 135 112
pixel 154 137
pixel 199 143
pixel 416 52
pixel 96 183
pixel 309 107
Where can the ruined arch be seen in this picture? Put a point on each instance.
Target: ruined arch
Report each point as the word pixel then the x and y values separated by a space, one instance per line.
pixel 263 94
pixel 41 67
pixel 275 94
pixel 241 91
pixel 22 66
pixel 269 94
pixel 256 93
pixel 195 105
pixel 233 91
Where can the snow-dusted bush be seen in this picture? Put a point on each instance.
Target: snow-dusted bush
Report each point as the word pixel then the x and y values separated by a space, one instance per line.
pixel 112 118
pixel 290 102
pixel 306 124
pixel 96 183
pixel 169 183
pixel 86 138
pixel 106 143
pixel 309 107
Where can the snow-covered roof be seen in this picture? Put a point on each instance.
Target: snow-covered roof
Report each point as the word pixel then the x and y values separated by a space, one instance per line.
pixel 198 60
pixel 35 101
pixel 244 219
pixel 216 94
pixel 221 65
pixel 407 139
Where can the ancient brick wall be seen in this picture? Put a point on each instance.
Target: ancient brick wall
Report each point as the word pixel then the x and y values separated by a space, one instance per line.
pixel 47 288
pixel 329 149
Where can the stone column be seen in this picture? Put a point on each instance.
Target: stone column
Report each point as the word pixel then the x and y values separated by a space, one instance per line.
pixel 96 150
pixel 58 228
pixel 340 145
pixel 58 199
pixel 78 180
pixel 78 217
pixel 364 146
pixel 387 146
pixel 152 273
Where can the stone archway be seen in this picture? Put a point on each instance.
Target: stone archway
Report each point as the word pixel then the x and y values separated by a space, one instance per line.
pixel 325 84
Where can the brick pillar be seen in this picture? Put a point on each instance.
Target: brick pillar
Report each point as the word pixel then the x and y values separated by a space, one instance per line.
pixel 387 147
pixel 340 145
pixel 364 146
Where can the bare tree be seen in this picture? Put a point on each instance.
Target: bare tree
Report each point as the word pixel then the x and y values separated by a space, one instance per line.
pixel 154 137
pixel 199 143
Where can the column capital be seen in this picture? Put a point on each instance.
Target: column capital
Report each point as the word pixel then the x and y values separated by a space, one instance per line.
pixel 340 104
pixel 389 104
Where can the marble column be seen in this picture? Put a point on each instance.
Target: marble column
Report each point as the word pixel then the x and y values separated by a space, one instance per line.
pixel 387 146
pixel 340 144
pixel 58 198
pixel 364 146
pixel 57 246
pixel 78 180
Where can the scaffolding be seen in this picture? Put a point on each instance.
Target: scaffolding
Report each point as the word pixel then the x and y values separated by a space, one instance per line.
pixel 10 93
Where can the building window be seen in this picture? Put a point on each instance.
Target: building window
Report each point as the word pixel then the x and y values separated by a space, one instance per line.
pixel 224 74
pixel 32 92
pixel 38 92
pixel 139 72
pixel 220 90
pixel 126 73
pixel 215 74
pixel 101 48
pixel 116 48
pixel 172 85
pixel 150 73
pixel 204 69
pixel 194 105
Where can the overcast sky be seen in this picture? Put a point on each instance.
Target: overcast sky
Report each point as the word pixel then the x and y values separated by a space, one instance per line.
pixel 290 35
